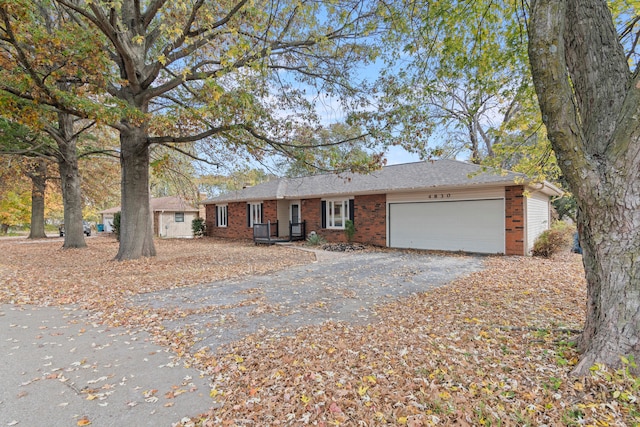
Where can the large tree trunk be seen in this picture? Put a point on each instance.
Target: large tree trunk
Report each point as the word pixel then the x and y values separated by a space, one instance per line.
pixel 610 238
pixel 136 231
pixel 38 187
pixel 590 102
pixel 70 182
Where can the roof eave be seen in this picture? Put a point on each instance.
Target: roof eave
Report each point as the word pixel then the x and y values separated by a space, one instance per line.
pixel 546 188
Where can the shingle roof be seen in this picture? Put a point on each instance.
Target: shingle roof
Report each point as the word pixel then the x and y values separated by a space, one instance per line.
pixel 111 210
pixel 171 204
pixel 396 178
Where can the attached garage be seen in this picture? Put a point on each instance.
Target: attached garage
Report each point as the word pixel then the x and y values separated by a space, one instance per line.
pixel 449 225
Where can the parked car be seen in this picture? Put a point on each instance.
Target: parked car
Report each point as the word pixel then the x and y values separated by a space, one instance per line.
pixel 86 229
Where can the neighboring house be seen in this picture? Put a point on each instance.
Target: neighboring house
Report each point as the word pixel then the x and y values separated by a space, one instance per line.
pixel 107 218
pixel 438 205
pixel 172 217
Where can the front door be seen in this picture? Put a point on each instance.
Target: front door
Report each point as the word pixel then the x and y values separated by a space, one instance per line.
pixel 295 213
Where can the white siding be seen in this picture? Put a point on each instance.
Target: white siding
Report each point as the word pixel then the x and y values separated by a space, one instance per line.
pixel 446 195
pixel 107 220
pixel 537 217
pixel 169 228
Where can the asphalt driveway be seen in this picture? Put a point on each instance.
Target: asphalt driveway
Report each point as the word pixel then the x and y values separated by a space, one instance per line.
pixel 342 287
pixel 61 368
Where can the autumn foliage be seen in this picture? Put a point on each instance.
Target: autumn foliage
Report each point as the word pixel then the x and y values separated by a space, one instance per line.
pixel 553 240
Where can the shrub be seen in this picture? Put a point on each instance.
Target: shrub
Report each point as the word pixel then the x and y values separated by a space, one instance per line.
pixel 116 225
pixel 315 239
pixel 349 230
pixel 198 227
pixel 553 240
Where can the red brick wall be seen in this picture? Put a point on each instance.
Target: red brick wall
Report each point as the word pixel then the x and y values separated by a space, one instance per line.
pixel 369 219
pixel 514 220
pixel 310 212
pixel 269 211
pixel 210 218
pixel 237 220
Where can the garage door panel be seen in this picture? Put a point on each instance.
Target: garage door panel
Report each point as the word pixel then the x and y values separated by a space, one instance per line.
pixel 470 226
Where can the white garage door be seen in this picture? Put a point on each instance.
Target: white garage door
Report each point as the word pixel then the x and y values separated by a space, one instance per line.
pixel 470 225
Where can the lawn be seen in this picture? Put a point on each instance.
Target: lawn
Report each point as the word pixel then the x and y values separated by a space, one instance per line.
pixel 493 348
pixel 40 272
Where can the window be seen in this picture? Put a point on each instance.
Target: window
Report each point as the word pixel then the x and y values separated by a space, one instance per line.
pixel 254 214
pixel 179 217
pixel 221 215
pixel 336 213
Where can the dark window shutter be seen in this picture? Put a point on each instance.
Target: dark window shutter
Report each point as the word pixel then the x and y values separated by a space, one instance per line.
pixel 260 219
pixel 352 210
pixel 216 216
pixel 248 215
pixel 323 213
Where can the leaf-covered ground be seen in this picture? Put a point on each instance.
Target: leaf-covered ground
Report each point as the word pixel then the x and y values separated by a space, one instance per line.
pixel 40 272
pixel 493 348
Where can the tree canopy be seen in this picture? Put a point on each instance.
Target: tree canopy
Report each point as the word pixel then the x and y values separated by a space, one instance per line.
pixel 239 75
pixel 458 81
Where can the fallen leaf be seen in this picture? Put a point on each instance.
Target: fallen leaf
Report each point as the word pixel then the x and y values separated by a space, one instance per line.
pixel 334 408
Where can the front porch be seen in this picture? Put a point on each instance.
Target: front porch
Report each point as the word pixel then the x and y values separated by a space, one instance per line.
pixel 270 233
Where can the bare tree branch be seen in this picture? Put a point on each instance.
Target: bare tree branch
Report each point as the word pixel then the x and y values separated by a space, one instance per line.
pixel 191 155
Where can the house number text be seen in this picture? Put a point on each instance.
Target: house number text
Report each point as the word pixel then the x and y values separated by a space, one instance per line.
pixel 440 196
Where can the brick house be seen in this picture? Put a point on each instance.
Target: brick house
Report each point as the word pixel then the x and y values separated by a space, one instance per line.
pixel 439 205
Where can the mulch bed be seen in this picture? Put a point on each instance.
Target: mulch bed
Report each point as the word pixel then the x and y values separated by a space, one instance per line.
pixel 343 247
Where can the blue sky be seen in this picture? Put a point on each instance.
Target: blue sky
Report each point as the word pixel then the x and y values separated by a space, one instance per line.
pixel 398 155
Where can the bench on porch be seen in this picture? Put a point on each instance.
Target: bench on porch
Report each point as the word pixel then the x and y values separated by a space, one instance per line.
pixel 268 233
